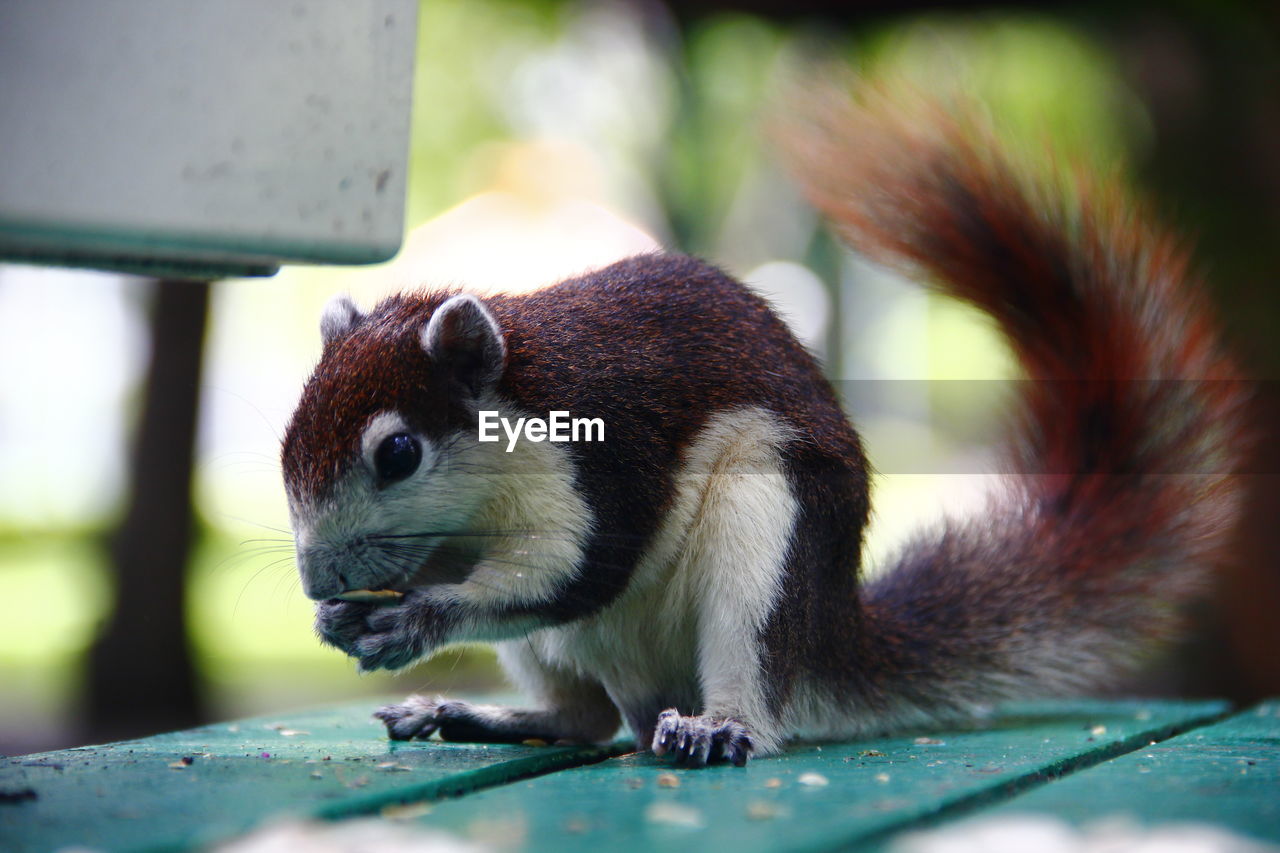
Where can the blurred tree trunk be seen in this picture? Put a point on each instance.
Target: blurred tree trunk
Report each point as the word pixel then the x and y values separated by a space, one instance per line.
pixel 1210 77
pixel 141 678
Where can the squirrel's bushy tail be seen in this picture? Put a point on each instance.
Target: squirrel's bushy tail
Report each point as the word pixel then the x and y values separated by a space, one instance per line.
pixel 1127 427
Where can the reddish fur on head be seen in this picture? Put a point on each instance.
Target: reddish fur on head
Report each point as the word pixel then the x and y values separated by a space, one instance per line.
pixel 383 367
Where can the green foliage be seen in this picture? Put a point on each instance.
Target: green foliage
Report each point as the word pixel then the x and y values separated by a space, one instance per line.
pixel 467 50
pixel 1043 83
pixel 716 144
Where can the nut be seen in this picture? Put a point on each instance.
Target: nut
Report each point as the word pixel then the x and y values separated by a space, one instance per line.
pixel 381 596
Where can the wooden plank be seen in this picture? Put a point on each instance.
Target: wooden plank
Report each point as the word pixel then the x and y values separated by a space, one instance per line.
pixel 858 792
pixel 1226 774
pixel 140 795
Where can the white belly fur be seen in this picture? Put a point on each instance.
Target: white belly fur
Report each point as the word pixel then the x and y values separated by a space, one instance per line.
pixel 685 632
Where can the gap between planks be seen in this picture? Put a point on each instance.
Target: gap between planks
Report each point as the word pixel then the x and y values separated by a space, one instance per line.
pixel 979 800
pixel 461 785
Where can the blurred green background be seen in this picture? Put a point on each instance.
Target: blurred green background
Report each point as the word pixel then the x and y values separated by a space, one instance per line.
pixel 547 136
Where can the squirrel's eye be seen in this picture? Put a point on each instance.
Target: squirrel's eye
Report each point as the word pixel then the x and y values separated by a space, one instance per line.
pixel 397 457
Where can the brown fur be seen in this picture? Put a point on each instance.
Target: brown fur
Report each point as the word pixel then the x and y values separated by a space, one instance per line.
pixel 1127 431
pixel 653 345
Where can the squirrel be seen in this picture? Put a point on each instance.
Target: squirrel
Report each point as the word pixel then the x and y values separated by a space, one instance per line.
pixel 696 575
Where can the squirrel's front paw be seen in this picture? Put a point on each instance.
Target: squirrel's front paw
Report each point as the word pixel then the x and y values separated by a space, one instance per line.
pixel 396 635
pixel 696 741
pixel 342 623
pixel 380 636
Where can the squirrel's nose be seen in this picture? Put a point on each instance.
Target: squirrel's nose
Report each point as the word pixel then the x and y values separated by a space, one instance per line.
pixel 320 586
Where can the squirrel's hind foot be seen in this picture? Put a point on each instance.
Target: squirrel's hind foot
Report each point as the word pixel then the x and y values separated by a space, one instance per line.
pixel 415 717
pixel 418 718
pixel 698 741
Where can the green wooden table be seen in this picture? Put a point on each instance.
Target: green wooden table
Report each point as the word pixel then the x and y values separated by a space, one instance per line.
pixel 1151 762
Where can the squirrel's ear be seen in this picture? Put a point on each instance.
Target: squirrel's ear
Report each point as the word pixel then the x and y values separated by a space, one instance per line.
pixel 463 336
pixel 340 316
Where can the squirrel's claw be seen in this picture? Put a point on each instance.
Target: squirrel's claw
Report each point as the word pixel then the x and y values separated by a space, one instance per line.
pixel 698 741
